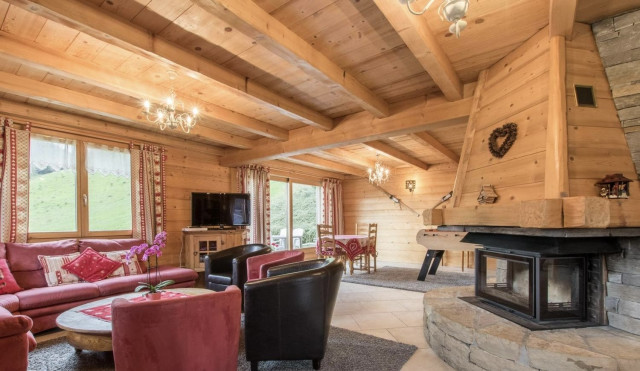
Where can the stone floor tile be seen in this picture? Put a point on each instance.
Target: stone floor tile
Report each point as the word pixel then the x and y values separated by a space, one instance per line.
pixel 411 318
pixel 381 333
pixel 371 321
pixel 425 359
pixel 410 335
pixel 345 321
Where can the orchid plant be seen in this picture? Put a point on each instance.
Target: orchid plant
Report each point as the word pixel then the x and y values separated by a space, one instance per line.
pixel 159 242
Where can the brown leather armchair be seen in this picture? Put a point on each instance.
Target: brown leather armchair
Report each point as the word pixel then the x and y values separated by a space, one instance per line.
pixel 229 267
pixel 288 314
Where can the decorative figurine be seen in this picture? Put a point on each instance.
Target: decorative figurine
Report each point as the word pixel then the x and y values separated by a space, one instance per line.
pixel 487 195
pixel 614 186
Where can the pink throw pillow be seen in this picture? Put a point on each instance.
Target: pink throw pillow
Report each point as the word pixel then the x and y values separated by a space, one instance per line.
pixel 90 266
pixel 8 284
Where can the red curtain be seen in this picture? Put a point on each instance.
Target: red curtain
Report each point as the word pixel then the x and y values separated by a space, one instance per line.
pixel 14 182
pixel 332 204
pixel 148 191
pixel 254 179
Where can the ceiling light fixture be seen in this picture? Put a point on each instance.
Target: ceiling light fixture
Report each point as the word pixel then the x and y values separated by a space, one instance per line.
pixel 167 116
pixel 410 185
pixel 379 174
pixel 450 10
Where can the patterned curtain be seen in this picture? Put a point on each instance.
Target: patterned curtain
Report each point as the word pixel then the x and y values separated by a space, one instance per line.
pixel 14 182
pixel 332 204
pixel 148 191
pixel 254 179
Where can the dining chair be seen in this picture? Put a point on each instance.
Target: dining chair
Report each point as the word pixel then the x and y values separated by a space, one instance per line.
pixel 373 239
pixel 326 245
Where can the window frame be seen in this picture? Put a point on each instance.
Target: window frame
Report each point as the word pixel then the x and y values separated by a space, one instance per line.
pixel 289 202
pixel 82 189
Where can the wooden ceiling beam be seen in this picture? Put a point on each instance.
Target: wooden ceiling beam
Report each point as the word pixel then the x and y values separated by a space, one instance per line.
pixel 40 91
pixel 562 16
pixel 107 27
pixel 315 161
pixel 428 140
pixel 51 119
pixel 349 156
pixel 389 151
pixel 406 118
pixel 417 35
pixel 250 19
pixel 28 53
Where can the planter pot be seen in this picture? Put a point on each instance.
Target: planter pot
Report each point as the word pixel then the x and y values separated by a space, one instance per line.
pixel 153 296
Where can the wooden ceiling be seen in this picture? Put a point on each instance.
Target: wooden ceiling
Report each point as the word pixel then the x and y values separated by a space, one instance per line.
pixel 324 83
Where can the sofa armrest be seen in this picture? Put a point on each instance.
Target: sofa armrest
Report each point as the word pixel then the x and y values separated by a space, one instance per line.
pixel 13 325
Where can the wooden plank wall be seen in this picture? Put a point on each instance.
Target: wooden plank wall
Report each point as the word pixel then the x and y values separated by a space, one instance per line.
pixel 190 166
pixel 516 90
pixel 397 228
pixel 618 44
pixel 596 140
pixel 188 171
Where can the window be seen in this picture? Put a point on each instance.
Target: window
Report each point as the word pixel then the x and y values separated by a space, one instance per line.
pixel 302 202
pixel 67 199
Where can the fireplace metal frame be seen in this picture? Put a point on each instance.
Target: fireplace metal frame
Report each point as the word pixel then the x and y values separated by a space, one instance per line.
pixel 537 309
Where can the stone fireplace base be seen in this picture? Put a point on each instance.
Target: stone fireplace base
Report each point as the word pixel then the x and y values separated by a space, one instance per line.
pixel 470 338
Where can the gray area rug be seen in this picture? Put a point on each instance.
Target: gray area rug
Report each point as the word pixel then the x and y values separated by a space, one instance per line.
pixel 346 350
pixel 407 279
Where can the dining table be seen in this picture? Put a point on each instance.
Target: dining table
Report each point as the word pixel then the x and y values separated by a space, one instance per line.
pixel 353 246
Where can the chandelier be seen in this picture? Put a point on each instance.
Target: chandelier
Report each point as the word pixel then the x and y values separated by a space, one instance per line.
pixel 450 10
pixel 166 115
pixel 379 174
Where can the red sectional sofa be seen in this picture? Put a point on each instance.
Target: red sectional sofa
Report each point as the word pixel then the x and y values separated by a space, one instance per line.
pixel 43 304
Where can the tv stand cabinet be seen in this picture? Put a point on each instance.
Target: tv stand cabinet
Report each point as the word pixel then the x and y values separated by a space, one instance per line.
pixel 198 244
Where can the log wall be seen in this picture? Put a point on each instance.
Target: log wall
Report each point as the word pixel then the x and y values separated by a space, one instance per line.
pixel 397 228
pixel 596 140
pixel 516 90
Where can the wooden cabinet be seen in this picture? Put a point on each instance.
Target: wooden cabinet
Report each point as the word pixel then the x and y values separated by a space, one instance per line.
pixel 198 244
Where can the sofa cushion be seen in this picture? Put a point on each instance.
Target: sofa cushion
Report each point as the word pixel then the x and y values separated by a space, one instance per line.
pixel 117 285
pixel 106 245
pixel 90 266
pixel 126 268
pixel 3 250
pixel 23 260
pixel 47 296
pixel 8 284
pixel 10 302
pixel 177 274
pixel 54 274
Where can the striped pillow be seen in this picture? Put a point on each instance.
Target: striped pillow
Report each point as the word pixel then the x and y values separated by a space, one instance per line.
pixel 127 269
pixel 53 271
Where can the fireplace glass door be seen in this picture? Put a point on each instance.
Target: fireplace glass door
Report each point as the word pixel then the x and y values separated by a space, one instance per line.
pixel 506 280
pixel 562 285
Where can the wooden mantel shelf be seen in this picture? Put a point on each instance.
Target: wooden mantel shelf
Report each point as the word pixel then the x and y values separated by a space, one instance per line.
pixel 570 212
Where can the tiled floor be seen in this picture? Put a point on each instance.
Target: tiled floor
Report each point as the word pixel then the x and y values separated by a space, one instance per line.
pixel 390 314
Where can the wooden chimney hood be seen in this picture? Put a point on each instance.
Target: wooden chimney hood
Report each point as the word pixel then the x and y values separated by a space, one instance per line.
pixel 547 178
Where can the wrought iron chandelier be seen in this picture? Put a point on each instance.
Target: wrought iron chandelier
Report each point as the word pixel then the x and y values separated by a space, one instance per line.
pixel 379 174
pixel 450 10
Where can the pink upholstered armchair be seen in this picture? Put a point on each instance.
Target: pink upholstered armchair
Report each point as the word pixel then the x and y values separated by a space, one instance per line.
pixel 16 341
pixel 258 266
pixel 192 333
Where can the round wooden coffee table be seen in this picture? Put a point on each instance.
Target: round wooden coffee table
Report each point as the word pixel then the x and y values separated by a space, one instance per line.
pixel 91 333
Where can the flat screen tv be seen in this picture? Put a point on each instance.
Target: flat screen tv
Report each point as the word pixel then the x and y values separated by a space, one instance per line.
pixel 220 209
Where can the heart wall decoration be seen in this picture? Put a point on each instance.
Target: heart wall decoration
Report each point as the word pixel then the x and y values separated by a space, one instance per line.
pixel 510 132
